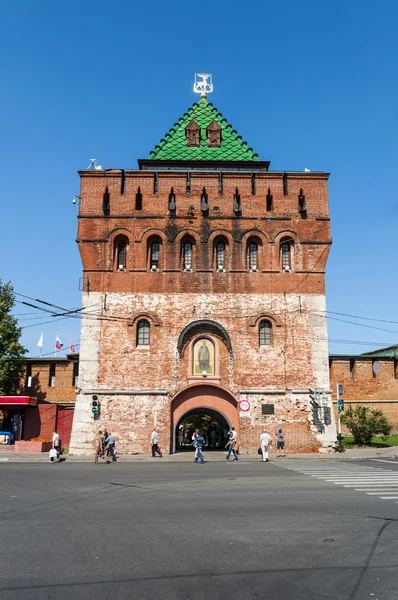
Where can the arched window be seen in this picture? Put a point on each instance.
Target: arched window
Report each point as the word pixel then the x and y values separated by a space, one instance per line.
pixel 253 256
pixel 143 333
pixel 220 256
pixel 187 256
pixel 265 333
pixel 121 253
pixel 286 256
pixel 155 256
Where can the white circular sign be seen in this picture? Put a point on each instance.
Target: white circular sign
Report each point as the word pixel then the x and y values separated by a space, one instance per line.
pixel 244 405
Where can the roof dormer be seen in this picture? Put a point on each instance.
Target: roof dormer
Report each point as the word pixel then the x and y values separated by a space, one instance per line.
pixel 214 135
pixel 192 132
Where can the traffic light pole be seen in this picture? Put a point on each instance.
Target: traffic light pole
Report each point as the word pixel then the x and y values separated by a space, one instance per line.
pixel 339 436
pixel 338 411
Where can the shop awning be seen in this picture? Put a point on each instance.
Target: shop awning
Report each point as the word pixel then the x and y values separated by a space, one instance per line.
pixel 15 401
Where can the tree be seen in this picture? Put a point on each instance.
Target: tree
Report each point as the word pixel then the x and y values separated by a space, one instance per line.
pixel 12 358
pixel 364 422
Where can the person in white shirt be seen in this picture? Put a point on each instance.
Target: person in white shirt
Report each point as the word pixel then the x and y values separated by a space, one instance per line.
pixel 266 441
pixel 155 443
pixel 56 441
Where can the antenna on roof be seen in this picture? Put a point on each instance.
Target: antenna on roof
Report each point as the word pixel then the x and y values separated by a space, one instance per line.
pixel 203 84
pixel 93 166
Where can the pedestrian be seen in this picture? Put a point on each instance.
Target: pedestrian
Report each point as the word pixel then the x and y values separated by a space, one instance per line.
pixel 266 442
pixel 280 442
pixel 56 443
pixel 110 448
pixel 99 448
pixel 200 440
pixel 180 438
pixel 155 444
pixel 232 444
pixel 194 444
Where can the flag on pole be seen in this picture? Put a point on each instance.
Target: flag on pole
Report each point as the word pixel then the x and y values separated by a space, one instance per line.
pixel 58 343
pixel 71 347
pixel 40 342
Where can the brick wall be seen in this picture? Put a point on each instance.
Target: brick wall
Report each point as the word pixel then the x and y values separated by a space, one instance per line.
pixel 362 386
pixel 137 386
pixel 64 390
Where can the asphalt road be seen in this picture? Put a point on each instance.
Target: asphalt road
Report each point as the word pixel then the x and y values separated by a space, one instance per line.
pixel 214 531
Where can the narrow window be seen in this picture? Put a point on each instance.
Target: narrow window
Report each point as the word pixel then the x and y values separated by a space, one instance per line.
pixel 302 206
pixel 286 259
pixel 143 333
pixel 352 369
pixel 220 256
pixel 123 183
pixel 285 188
pixel 237 203
pixel 106 200
pixel 187 256
pixel 155 183
pixel 375 368
pixel 253 253
pixel 265 333
pixel 28 383
pixel 121 255
pixel 75 376
pixel 253 184
pixel 172 201
pixel 220 182
pixel 51 376
pixel 138 200
pixel 154 256
pixel 269 201
pixel 188 185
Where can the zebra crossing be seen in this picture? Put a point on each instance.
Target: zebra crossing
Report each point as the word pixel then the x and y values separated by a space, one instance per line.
pixel 372 481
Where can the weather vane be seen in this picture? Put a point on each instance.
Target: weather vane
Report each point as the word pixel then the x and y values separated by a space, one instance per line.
pixel 203 84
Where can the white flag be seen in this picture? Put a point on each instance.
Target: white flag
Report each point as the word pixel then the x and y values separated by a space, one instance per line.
pixel 40 342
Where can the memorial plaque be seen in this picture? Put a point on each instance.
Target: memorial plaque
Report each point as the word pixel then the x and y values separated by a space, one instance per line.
pixel 268 409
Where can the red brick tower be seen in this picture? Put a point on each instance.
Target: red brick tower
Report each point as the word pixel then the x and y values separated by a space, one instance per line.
pixel 204 294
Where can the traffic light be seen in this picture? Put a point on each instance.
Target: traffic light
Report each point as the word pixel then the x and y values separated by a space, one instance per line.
pixel 94 404
pixel 340 405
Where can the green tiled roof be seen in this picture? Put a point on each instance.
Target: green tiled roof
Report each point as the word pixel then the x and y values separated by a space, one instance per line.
pixel 174 144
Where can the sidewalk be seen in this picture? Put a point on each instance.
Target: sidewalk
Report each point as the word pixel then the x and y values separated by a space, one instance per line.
pixel 358 453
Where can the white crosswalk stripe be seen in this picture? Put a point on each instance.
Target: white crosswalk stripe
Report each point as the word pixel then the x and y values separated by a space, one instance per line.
pixel 372 481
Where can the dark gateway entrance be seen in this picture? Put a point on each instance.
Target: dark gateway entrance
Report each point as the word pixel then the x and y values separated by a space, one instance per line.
pixel 213 424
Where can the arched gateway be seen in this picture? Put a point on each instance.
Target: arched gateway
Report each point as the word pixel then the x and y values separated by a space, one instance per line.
pixel 205 399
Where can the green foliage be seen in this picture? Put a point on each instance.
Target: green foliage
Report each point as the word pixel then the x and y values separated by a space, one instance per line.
pixel 11 352
pixel 364 422
pixel 385 441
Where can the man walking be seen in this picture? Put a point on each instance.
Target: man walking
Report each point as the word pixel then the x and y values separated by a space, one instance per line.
pixel 110 448
pixel 155 444
pixel 200 440
pixel 56 443
pixel 280 442
pixel 266 441
pixel 232 443
pixel 99 450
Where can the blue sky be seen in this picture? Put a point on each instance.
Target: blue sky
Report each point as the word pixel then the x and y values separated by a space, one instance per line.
pixel 308 84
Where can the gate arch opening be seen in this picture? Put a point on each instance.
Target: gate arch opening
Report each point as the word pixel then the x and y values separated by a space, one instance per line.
pixel 212 423
pixel 203 406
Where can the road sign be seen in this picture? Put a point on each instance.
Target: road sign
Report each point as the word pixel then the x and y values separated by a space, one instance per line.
pixel 244 405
